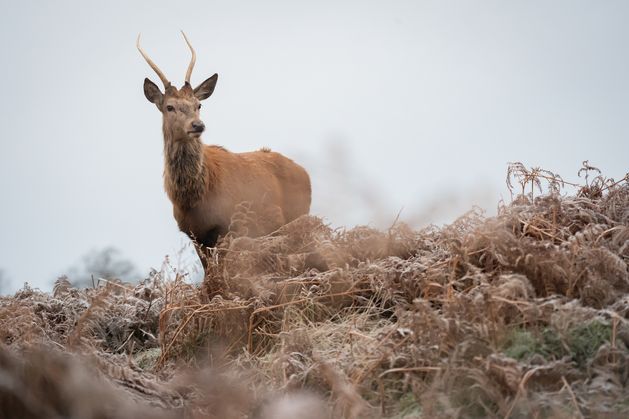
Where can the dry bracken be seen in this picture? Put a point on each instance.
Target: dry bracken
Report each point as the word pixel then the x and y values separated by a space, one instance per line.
pixel 522 314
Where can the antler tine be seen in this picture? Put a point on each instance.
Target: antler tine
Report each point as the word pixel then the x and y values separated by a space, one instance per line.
pixel 192 60
pixel 152 64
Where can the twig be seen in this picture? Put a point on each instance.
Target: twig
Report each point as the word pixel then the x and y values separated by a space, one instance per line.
pixel 609 230
pixel 527 225
pixel 410 369
pixel 624 179
pixel 521 389
pixel 125 342
pixel 397 218
pixel 574 398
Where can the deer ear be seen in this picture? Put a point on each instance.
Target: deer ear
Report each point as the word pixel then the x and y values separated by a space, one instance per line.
pixel 152 93
pixel 205 89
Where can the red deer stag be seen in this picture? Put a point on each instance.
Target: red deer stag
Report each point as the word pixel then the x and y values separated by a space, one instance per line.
pixel 205 183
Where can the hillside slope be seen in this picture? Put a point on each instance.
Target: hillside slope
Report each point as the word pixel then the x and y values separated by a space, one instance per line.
pixel 522 314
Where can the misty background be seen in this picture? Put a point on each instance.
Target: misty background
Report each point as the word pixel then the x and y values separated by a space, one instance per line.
pixel 390 105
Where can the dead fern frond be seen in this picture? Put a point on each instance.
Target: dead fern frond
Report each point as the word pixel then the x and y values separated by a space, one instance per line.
pixel 586 169
pixel 61 286
pixel 532 178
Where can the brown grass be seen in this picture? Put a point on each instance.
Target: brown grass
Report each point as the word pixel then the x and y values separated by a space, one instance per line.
pixel 523 314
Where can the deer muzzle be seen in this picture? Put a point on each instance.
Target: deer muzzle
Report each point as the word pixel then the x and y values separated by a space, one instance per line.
pixel 197 127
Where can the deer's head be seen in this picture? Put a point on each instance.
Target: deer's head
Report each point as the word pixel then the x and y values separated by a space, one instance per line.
pixel 179 107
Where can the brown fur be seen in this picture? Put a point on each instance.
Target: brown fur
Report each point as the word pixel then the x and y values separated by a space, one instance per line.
pixel 206 183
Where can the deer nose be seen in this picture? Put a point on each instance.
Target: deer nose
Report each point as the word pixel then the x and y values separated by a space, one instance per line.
pixel 198 126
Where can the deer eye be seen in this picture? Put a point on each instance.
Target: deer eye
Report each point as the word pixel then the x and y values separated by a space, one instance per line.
pixel 199 106
pixel 170 108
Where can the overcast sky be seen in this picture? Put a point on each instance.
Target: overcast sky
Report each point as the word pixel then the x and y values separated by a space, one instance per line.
pixel 389 104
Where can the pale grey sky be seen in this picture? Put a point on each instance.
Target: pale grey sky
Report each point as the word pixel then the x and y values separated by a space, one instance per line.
pixel 415 104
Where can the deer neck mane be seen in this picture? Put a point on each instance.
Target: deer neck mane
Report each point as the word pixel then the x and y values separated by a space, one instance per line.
pixel 185 171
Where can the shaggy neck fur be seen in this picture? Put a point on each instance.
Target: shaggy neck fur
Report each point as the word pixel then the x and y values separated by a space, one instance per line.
pixel 184 170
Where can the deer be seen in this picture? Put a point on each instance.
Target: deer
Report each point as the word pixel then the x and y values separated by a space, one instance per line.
pixel 207 183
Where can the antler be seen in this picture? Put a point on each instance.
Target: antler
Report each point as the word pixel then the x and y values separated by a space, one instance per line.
pixel 153 65
pixel 192 60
